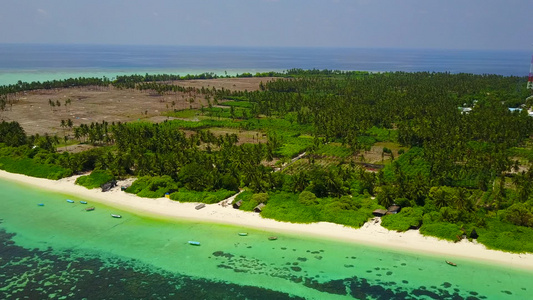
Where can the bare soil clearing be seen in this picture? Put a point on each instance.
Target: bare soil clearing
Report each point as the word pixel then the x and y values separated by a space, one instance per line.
pixel 96 104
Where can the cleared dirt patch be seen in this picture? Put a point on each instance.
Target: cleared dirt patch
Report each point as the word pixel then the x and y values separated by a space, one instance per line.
pixel 245 137
pixel 75 148
pixel 233 84
pixel 96 104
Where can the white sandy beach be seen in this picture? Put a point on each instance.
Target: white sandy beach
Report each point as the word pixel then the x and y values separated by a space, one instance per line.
pixel 370 234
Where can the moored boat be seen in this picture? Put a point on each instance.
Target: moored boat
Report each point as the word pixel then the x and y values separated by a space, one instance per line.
pixel 41 204
pixel 451 263
pixel 90 208
pixel 194 243
pixel 243 233
pixel 70 201
pixel 83 202
pixel 273 238
pixel 116 216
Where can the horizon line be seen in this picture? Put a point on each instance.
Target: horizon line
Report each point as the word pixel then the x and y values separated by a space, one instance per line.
pixel 266 46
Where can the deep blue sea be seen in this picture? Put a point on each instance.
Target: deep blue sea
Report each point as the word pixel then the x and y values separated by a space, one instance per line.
pixel 28 62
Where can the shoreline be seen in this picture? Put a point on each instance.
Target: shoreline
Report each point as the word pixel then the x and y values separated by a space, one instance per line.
pixel 371 234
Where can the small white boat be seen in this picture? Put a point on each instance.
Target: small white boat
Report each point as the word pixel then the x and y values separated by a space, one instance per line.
pixel 70 201
pixel 243 233
pixel 41 204
pixel 116 216
pixel 194 243
pixel 83 202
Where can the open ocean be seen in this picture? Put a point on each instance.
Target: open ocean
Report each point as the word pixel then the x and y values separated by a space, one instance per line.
pixel 29 62
pixel 60 251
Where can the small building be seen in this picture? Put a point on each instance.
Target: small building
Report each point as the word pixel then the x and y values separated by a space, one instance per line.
pixel 379 212
pixel 237 204
pixel 393 209
pixel 259 207
pixel 465 110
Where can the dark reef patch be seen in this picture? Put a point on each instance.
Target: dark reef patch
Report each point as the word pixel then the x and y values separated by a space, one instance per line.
pixel 507 292
pixel 296 269
pixel 68 277
pixel 223 254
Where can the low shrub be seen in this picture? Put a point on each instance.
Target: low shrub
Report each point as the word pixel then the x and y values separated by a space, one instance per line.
pixel 500 235
pixel 153 187
pixel 442 230
pixel 307 198
pixel 253 201
pixel 184 195
pixel 338 213
pixel 95 179
pixel 345 210
pixel 286 207
pixel 28 166
pixel 407 218
pixel 244 196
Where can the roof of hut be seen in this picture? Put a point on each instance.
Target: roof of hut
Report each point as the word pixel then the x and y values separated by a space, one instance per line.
pixel 379 212
pixel 259 207
pixel 394 208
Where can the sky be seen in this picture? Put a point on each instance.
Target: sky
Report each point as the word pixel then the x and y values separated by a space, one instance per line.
pixel 431 24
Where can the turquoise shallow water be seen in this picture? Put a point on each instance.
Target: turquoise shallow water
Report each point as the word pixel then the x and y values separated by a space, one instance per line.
pixel 60 249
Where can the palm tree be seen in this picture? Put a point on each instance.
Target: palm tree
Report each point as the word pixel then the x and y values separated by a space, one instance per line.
pixel 77 133
pixel 386 196
pixel 52 104
pixel 523 183
pixel 67 102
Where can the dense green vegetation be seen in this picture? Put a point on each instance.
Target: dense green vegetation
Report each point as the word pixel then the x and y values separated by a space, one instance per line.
pixel 96 179
pixel 153 187
pixel 30 167
pixel 406 219
pixel 498 234
pixel 397 136
pixel 184 195
pixel 159 186
pixel 306 208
